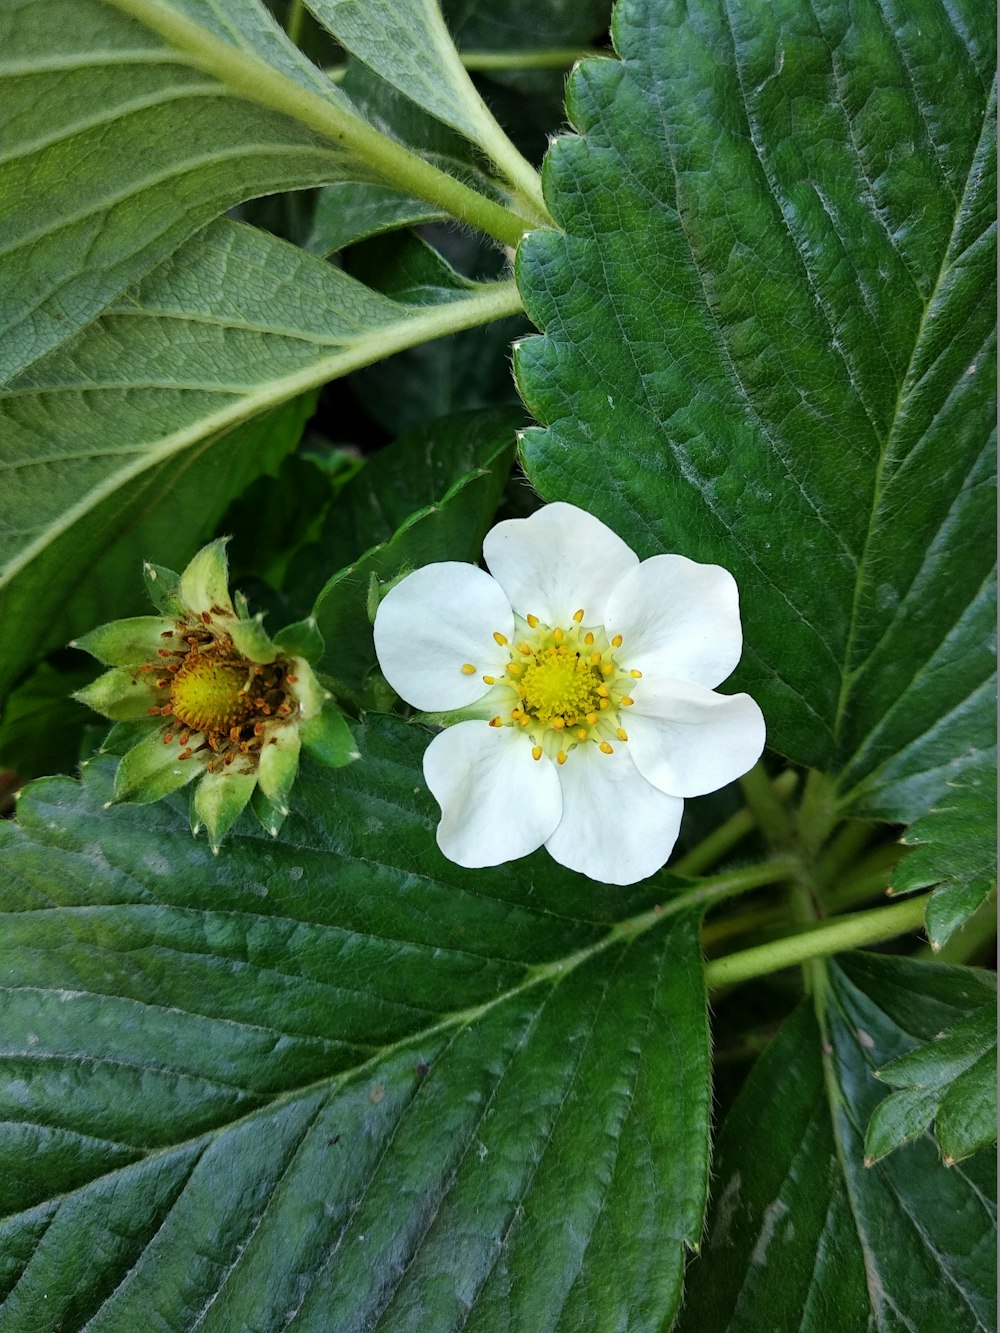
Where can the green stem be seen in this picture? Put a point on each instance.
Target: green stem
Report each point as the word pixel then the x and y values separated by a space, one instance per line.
pixel 817 813
pixel 843 850
pixel 771 816
pixel 722 840
pixel 557 58
pixel 847 932
pixel 294 20
pixel 869 877
pixel 704 895
pixel 253 78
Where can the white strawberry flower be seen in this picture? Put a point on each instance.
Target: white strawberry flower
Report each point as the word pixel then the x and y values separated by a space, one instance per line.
pixel 577 689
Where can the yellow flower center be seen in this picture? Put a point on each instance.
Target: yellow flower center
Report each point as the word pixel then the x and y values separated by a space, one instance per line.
pixel 210 694
pixel 562 687
pixel 560 683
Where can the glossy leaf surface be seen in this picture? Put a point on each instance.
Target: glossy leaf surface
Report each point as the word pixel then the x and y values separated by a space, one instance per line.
pixel 402 1091
pixel 801 1233
pixel 769 342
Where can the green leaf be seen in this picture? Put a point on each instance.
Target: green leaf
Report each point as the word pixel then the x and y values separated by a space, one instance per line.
pixel 955 842
pixel 42 724
pixel 407 44
pixel 116 149
pixel 235 323
pixel 341 1064
pixel 801 1233
pixel 441 486
pixel 951 1081
pixel 351 211
pixel 769 342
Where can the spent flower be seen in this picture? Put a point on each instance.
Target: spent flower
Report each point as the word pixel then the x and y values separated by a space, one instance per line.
pixel 202 693
pixel 576 686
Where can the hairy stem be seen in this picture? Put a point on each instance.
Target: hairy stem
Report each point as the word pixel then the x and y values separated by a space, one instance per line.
pixel 251 77
pixel 848 932
pixel 722 840
pixel 771 816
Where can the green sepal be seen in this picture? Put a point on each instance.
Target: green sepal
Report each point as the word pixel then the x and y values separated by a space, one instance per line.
pixel 307 692
pixel 302 639
pixel 123 735
pixel 218 801
pixel 205 581
pixel 328 739
pixel 241 605
pixel 127 642
pixel 151 770
pixel 164 588
pixel 271 818
pixel 120 694
pixel 252 640
pixel 279 763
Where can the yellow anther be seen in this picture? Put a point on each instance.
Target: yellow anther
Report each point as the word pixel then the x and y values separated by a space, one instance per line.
pixel 523 721
pixel 561 757
pixel 496 722
pixel 605 748
pixel 500 638
pixel 595 659
pixel 558 723
pixel 578 616
pixel 489 680
pixel 607 668
pixel 525 649
pixel 617 641
pixel 588 639
pixel 514 668
pixel 536 752
pixel 603 691
pixel 532 620
pixel 582 734
pixel 621 733
pixel 468 669
pixel 627 702
pixel 592 719
pixel 581 665
pixel 557 635
pixel 605 703
pixel 636 675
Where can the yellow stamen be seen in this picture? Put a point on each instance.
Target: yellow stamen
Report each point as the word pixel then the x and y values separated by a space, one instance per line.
pixel 514 668
pixel 557 635
pixel 536 752
pixel 489 680
pixel 561 757
pixel 603 691
pixel 578 616
pixel 617 641
pixel 468 669
pixel 558 723
pixel 605 703
pixel 582 734
pixel 496 722
pixel 605 748
pixel 636 675
pixel 607 668
pixel 592 719
pixel 622 734
pixel 626 701
pixel 588 639
pixel 532 620
pixel 523 721
pixel 595 659
pixel 500 638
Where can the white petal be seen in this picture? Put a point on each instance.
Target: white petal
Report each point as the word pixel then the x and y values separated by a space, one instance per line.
pixel 616 827
pixel 687 740
pixel 497 803
pixel 557 561
pixel 435 621
pixel 678 619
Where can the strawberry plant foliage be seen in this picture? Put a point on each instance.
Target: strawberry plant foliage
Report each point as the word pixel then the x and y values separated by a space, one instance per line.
pixel 264 270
